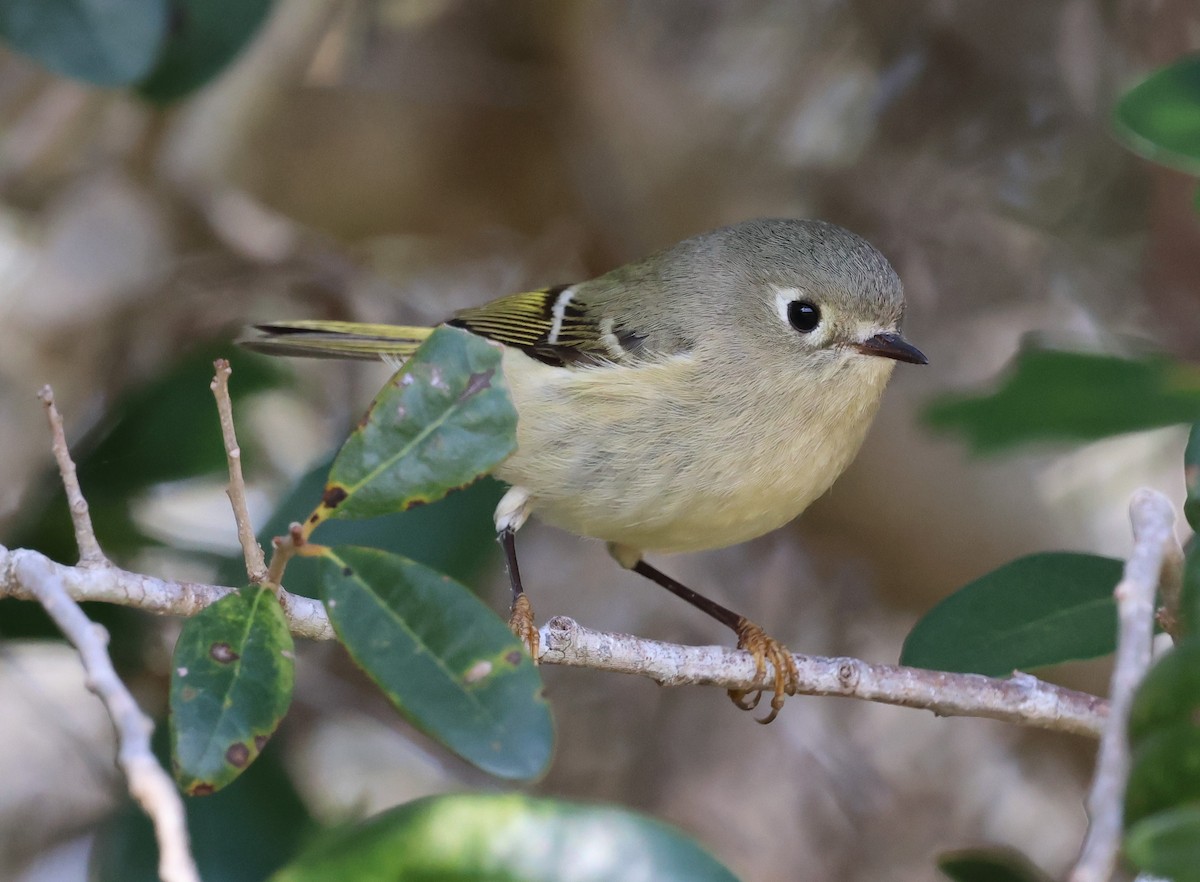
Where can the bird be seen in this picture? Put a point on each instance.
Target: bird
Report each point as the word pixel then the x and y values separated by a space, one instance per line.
pixel 693 399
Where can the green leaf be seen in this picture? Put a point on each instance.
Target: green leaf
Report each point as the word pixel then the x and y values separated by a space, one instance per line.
pixel 443 420
pixel 505 838
pixel 1160 117
pixel 1189 598
pixel 1167 844
pixel 1072 396
pixel 1034 611
pixel 231 684
pixel 205 36
pixel 1191 474
pixel 443 658
pixel 989 865
pixel 1169 695
pixel 102 42
pixel 1165 772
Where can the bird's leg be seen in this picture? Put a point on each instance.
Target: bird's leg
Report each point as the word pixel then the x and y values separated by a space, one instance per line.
pixel 511 513
pixel 750 636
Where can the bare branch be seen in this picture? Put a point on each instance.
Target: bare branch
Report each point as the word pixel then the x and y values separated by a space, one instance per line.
pixel 90 553
pixel 1154 544
pixel 148 783
pixel 256 564
pixel 1020 699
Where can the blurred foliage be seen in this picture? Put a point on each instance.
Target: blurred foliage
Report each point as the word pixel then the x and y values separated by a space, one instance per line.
pixel 231 684
pixel 511 838
pixel 1039 610
pixel 164 48
pixel 1167 844
pixel 989 865
pixel 241 834
pixel 1160 117
pixel 1051 395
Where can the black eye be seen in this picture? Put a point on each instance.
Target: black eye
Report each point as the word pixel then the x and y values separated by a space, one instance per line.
pixel 803 315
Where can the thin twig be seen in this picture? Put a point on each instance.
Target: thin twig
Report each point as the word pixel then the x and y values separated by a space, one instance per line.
pixel 1153 520
pixel 256 565
pixel 148 783
pixel 1020 699
pixel 90 553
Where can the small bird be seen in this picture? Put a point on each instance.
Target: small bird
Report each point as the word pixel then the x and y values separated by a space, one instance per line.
pixel 694 399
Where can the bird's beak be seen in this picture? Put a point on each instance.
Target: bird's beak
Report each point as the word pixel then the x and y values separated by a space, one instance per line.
pixel 894 346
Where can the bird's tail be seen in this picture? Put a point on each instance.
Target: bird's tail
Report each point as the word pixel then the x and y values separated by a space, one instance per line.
pixel 328 339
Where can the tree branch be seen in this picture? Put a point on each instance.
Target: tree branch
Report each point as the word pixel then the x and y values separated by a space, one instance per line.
pixel 148 783
pixel 1020 699
pixel 1154 547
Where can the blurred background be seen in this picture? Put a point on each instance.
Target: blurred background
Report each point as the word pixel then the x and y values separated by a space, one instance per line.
pixel 398 160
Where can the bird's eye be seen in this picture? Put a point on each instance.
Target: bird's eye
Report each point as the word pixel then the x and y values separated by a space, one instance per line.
pixel 803 315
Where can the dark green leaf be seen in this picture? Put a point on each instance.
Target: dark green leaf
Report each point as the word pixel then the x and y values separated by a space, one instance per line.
pixel 442 421
pixel 98 41
pixel 1170 693
pixel 231 684
pixel 1191 473
pixel 1035 611
pixel 1189 598
pixel 1165 772
pixel 990 865
pixel 1160 117
pixel 241 834
pixel 444 659
pixel 505 838
pixel 1167 844
pixel 205 36
pixel 1072 396
pixel 455 535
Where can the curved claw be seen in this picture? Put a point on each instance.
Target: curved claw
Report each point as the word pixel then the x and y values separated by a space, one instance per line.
pixel 754 640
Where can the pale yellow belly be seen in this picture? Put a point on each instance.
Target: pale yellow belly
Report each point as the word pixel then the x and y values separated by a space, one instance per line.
pixel 668 457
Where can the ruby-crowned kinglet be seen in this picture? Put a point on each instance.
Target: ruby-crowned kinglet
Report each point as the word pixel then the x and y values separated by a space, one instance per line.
pixel 694 399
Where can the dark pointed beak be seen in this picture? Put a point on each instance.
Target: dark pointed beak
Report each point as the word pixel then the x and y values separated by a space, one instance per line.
pixel 892 346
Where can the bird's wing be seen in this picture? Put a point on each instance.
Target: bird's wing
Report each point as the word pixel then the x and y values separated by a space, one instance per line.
pixel 558 326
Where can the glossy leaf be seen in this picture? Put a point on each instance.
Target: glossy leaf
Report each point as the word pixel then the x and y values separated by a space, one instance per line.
pixel 443 658
pixel 989 865
pixel 1169 695
pixel 205 36
pixel 1034 611
pixel 443 420
pixel 1051 395
pixel 1160 117
pixel 102 42
pixel 1167 844
pixel 506 838
pixel 1165 772
pixel 231 684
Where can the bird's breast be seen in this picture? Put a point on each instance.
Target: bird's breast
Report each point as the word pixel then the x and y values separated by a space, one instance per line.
pixel 678 455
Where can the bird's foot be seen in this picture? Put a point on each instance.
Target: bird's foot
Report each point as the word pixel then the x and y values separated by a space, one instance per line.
pixel 521 623
pixel 762 648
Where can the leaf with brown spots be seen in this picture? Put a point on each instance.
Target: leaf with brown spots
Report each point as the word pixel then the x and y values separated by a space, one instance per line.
pixel 440 423
pixel 445 660
pixel 231 684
